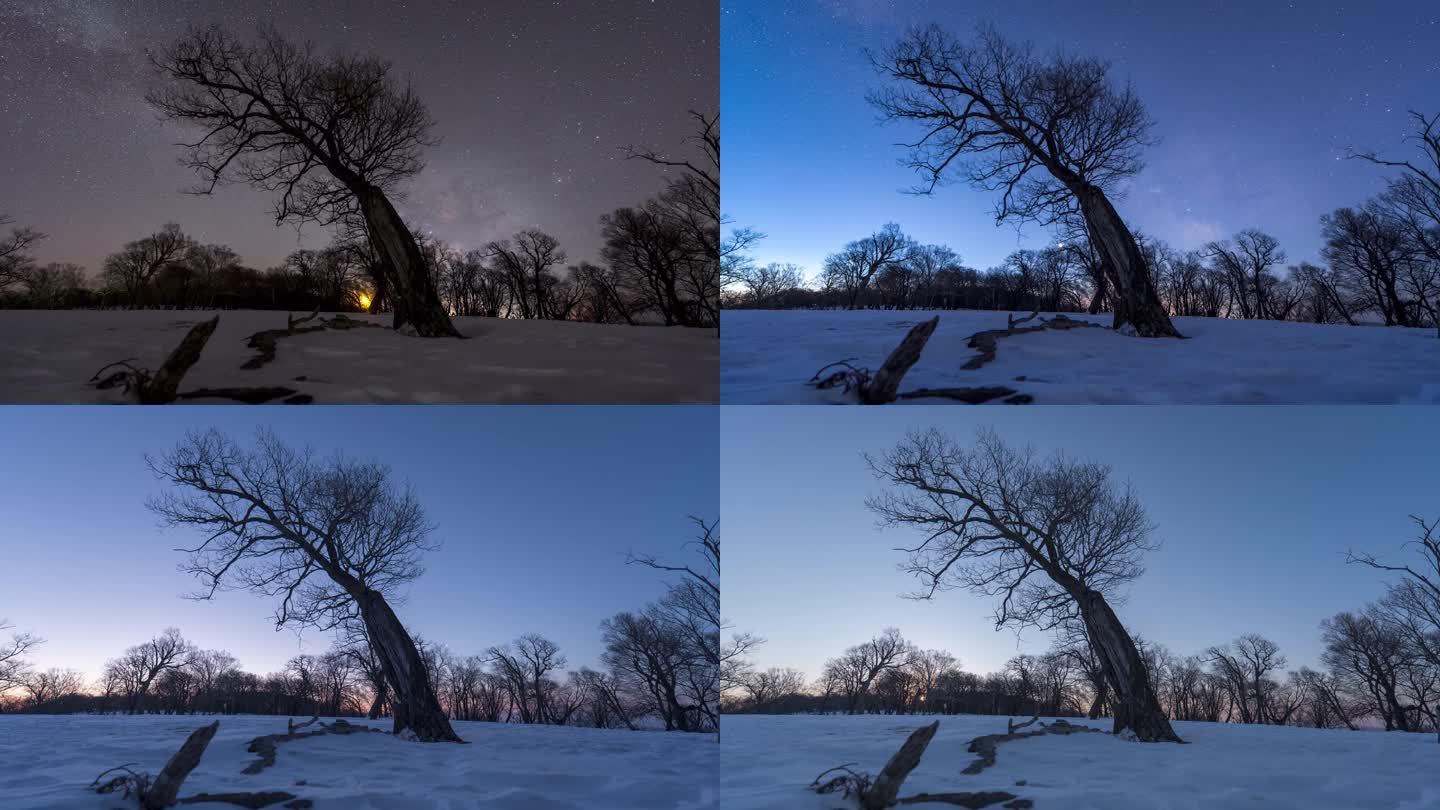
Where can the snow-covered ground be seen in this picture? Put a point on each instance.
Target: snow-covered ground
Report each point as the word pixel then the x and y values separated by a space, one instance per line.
pixel 47 761
pixel 766 357
pixel 766 763
pixel 47 357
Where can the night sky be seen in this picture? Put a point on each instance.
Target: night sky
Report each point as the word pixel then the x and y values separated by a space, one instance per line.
pixel 1254 103
pixel 1254 508
pixel 534 103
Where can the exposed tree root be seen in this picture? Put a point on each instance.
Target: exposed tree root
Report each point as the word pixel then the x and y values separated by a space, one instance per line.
pixel 985 341
pixel 254 801
pixel 971 396
pixel 264 341
pixel 985 745
pixel 265 745
pixel 882 791
pixel 881 386
pixel 250 396
pixel 975 801
pixel 159 387
pixel 162 791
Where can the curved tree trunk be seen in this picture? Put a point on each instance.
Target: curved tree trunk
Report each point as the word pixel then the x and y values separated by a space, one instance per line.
pixel 1137 304
pixel 377 706
pixel 1134 704
pixel 413 296
pixel 1101 278
pixel 414 705
pixel 1101 697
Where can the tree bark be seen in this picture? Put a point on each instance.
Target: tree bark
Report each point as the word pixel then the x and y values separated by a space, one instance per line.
pixel 1134 704
pixel 883 792
pixel 166 787
pixel 414 705
pixel 883 386
pixel 413 296
pixel 378 703
pixel 1101 278
pixel 1137 303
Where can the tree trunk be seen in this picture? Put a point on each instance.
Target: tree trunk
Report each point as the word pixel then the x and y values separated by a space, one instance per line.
pixel 1101 279
pixel 378 704
pixel 414 705
pixel 417 305
pixel 1098 704
pixel 1134 704
pixel 1137 304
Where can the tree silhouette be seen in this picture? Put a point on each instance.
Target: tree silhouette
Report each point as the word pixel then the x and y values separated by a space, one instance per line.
pixel 1051 134
pixel 333 136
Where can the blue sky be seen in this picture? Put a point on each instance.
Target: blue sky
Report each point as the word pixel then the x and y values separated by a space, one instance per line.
pixel 536 508
pixel 1254 103
pixel 1255 508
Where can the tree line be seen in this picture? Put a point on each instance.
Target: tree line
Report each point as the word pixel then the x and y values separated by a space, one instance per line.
pixel 659 668
pixel 1057 139
pixel 1375 267
pixel 334 137
pixel 1374 672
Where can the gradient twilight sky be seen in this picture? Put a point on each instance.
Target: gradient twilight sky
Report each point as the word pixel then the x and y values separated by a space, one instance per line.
pixel 536 508
pixel 1255 508
pixel 533 103
pixel 1254 104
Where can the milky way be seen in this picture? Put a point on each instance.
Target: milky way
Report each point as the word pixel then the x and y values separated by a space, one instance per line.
pixel 534 104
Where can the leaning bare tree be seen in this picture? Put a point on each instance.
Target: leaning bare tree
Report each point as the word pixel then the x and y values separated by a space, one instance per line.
pixel 1053 539
pixel 331 538
pixel 333 135
pixel 1051 133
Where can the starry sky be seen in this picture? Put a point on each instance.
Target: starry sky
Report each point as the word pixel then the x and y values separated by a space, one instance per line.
pixel 534 508
pixel 1255 104
pixel 534 103
pixel 1254 508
